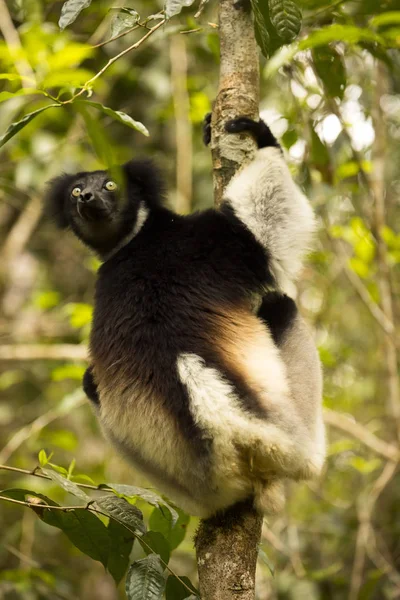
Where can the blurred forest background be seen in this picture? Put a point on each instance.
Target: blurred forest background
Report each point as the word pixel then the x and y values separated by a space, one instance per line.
pixel 334 102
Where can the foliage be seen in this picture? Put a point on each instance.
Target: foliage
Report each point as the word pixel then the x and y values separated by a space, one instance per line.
pixel 330 90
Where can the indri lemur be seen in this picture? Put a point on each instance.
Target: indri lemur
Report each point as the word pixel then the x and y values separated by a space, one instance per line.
pixel 202 371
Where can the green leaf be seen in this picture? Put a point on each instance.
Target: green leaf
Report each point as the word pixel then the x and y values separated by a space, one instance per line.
pixel 81 527
pixel 285 16
pixel 387 18
pixel 260 28
pixel 266 560
pixel 122 511
pixel 161 521
pixel 153 541
pixel 14 128
pixel 145 579
pixel 319 152
pixel 329 66
pixel 118 115
pixel 174 7
pixel 100 143
pixel 23 92
pixel 121 542
pixel 339 33
pixel 67 485
pixel 132 492
pixel 175 590
pixel 43 458
pixel 71 10
pixel 123 20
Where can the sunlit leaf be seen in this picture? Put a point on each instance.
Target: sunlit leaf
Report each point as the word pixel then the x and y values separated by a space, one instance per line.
pixel 71 10
pixel 122 511
pixel 123 20
pixel 68 372
pixel 23 92
pixel 66 484
pixel 145 579
pixel 365 466
pixel 132 492
pixel 69 56
pixel 14 128
pixel 174 7
pixel 118 115
pixel 386 18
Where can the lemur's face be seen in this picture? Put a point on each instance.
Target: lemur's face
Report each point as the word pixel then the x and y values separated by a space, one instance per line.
pixel 94 197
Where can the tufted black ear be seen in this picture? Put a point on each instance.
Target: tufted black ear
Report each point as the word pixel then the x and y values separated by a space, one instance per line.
pixel 55 204
pixel 144 182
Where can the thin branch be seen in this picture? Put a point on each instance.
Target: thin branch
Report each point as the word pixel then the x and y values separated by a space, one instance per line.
pixel 116 37
pixel 20 352
pixel 36 473
pixel 361 433
pixel 114 59
pixel 89 507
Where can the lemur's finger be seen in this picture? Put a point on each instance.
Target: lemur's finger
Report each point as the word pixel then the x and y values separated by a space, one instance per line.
pixel 260 130
pixel 207 129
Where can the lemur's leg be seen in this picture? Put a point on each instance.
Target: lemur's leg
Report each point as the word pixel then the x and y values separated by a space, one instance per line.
pixel 265 198
pixel 90 387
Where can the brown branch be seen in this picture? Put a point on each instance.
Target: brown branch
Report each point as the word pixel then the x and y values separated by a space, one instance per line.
pixel 227 545
pixel 361 433
pixel 36 473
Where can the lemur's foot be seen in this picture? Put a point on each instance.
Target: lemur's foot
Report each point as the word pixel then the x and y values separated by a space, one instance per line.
pixel 207 129
pixel 260 131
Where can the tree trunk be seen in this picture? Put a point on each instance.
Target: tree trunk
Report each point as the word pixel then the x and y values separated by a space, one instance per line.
pixel 227 544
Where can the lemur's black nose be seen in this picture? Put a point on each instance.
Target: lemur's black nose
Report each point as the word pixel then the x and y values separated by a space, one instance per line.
pixel 87 196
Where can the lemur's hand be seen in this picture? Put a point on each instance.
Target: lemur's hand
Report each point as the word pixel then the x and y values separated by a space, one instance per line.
pixel 207 129
pixel 260 131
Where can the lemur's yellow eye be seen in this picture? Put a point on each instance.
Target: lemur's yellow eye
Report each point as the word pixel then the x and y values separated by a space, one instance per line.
pixel 110 186
pixel 76 192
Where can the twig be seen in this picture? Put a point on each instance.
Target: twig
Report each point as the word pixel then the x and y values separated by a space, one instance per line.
pixel 361 433
pixel 116 37
pixel 36 473
pixel 89 507
pixel 30 352
pixel 112 60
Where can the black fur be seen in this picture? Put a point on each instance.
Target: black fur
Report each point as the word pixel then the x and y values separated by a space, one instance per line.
pixel 207 129
pixel 90 387
pixel 172 289
pixel 260 130
pixel 278 311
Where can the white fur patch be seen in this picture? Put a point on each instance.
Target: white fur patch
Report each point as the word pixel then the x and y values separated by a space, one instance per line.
pixel 279 446
pixel 264 196
pixel 141 217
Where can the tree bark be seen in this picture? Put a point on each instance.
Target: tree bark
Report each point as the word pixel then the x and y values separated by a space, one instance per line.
pixel 227 544
pixel 238 92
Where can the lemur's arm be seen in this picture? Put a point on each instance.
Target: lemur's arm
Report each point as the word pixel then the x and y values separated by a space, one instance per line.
pixel 265 198
pixel 90 387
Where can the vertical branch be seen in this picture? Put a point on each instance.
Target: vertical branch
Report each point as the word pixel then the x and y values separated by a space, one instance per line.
pixel 183 132
pixel 386 299
pixel 238 91
pixel 227 544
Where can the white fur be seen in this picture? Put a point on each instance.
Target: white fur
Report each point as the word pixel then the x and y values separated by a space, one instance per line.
pixel 276 446
pixel 264 196
pixel 141 218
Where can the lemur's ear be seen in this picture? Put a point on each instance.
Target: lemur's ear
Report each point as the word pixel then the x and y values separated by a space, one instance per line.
pixel 55 205
pixel 144 178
